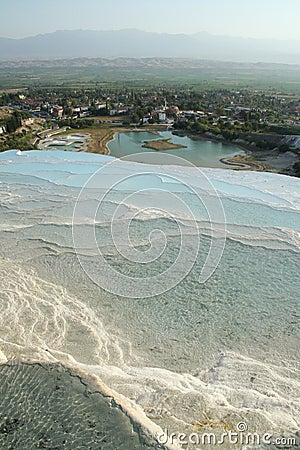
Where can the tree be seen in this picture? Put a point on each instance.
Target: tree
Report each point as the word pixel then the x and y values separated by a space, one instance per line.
pixel 13 122
pixel 135 118
pixel 296 168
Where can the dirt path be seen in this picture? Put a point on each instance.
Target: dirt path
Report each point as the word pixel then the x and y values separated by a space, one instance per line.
pixel 245 162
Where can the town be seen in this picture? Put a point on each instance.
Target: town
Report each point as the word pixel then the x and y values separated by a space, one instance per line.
pixel 253 119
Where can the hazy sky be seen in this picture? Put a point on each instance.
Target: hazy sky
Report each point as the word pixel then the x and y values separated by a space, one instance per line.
pixel 247 18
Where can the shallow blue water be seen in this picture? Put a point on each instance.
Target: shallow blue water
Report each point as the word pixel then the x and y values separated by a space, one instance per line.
pixel 199 152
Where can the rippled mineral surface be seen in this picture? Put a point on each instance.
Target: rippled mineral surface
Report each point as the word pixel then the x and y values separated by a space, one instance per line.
pixel 51 408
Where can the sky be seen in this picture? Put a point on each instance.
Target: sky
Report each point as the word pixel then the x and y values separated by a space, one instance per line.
pixel 277 19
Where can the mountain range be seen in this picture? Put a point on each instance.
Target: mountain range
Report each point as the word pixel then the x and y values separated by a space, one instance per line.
pixel 136 43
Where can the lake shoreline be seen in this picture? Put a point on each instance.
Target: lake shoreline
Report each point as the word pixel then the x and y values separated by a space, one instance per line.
pixel 254 159
pixel 238 162
pixel 259 160
pixel 99 142
pixel 202 159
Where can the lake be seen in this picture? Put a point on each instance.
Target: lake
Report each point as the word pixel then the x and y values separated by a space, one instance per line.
pixel 199 152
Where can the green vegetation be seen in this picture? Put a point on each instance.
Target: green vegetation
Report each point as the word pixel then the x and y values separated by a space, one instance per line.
pixel 283 129
pixel 15 136
pixel 21 141
pixel 146 92
pixel 12 122
pixel 140 73
pixel 76 123
pixel 296 168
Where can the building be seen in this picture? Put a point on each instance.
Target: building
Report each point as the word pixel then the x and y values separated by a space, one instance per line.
pixel 57 111
pixel 162 116
pixel 117 112
pixel 100 106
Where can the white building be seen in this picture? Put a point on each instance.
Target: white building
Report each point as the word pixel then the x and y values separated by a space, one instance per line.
pixel 100 106
pixel 162 116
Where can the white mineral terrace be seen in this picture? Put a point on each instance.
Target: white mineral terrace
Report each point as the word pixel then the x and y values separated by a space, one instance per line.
pixel 74 142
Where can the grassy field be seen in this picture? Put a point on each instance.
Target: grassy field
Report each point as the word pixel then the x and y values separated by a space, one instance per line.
pixel 199 75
